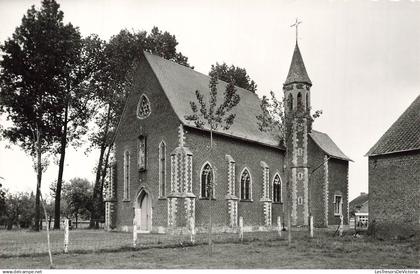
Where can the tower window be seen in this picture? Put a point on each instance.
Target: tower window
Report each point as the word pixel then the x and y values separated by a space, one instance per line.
pixel 307 100
pixel 290 102
pixel 207 181
pixel 162 169
pixel 299 101
pixel 246 185
pixel 300 200
pixel 277 194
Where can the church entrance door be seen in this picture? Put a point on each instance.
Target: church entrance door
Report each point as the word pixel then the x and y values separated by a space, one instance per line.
pixel 143 214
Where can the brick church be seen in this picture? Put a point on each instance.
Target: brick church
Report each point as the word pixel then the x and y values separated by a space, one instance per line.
pixel 163 163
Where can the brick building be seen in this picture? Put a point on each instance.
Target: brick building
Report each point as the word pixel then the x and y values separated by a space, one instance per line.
pixel 394 177
pixel 163 163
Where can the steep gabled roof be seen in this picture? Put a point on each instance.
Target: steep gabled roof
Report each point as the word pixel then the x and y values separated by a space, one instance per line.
pixel 403 135
pixel 327 145
pixel 180 83
pixel 297 71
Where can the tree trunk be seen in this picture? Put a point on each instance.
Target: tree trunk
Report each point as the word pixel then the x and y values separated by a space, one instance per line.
pixel 63 145
pixel 97 202
pixel 76 219
pixel 103 176
pixel 96 191
pixel 39 178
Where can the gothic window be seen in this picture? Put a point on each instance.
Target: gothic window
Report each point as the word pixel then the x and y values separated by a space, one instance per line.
pixel 290 102
pixel 299 101
pixel 277 194
pixel 141 160
pixel 126 190
pixel 162 169
pixel 300 200
pixel 307 100
pixel 207 181
pixel 246 185
pixel 338 205
pixel 143 107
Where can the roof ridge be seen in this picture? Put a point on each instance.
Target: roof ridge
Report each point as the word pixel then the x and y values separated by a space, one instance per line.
pixel 195 71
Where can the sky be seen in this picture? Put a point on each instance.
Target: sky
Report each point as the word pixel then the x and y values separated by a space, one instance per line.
pixel 362 57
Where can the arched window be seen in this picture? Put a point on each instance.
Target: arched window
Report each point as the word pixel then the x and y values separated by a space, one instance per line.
pixel 290 101
pixel 277 194
pixel 307 100
pixel 207 181
pixel 126 192
pixel 299 101
pixel 143 107
pixel 246 185
pixel 162 169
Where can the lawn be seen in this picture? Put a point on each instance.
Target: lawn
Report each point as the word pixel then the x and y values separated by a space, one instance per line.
pixel 259 250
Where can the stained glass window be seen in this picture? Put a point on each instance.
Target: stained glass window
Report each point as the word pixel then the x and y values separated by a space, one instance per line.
pixel 206 181
pixel 277 189
pixel 143 108
pixel 245 185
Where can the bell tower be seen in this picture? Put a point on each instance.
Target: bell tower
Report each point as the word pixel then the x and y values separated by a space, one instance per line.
pixel 298 124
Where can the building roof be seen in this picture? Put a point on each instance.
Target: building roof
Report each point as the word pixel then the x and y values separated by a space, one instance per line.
pixel 297 71
pixel 403 135
pixel 327 145
pixel 180 83
pixel 356 205
pixel 359 200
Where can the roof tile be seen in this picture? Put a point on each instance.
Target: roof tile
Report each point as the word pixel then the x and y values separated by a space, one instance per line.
pixel 403 135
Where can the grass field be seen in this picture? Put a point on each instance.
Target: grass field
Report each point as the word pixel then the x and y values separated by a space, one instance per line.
pixel 260 250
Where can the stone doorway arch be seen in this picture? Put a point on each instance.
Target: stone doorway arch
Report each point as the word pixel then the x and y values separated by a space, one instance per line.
pixel 143 211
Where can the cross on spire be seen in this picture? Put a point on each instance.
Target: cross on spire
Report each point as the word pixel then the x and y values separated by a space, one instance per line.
pixel 296 25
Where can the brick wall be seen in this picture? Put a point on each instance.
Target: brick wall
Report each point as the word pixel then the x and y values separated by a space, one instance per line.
pixel 394 192
pixel 337 183
pixel 160 125
pixel 246 155
pixel 316 181
pixel 163 124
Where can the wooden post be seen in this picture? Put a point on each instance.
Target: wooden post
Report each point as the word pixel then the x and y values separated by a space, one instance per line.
pixel 311 226
pixel 241 229
pixel 279 225
pixel 341 226
pixel 134 234
pixel 66 235
pixel 192 230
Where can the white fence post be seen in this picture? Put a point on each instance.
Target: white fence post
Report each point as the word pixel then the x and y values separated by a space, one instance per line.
pixel 341 226
pixel 279 225
pixel 192 230
pixel 66 235
pixel 311 226
pixel 134 233
pixel 241 229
